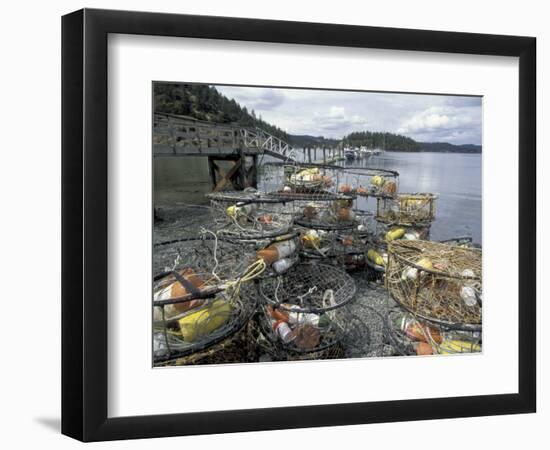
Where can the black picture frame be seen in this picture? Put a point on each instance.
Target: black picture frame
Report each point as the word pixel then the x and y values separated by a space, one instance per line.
pixel 84 224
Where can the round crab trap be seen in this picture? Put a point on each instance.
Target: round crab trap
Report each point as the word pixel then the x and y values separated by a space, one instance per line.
pixel 190 316
pixel 268 349
pixel 369 182
pixel 437 282
pixel 207 253
pixel 406 209
pixel 305 310
pixel 236 348
pixel 197 294
pixel 414 336
pixel 251 217
pixel 326 215
pixel 346 249
pixel 308 182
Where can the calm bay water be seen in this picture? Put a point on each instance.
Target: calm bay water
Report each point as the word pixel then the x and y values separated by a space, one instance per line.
pixel 454 177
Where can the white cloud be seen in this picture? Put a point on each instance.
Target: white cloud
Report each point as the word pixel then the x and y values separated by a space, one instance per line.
pixel 334 114
pixel 444 123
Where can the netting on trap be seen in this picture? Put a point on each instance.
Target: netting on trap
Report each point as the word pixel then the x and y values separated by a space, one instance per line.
pixel 437 282
pixel 326 215
pixel 236 348
pixel 406 209
pixel 250 220
pixel 190 315
pixel 206 253
pixel 414 336
pixel 309 182
pixel 306 309
pixel 269 349
pixel 369 182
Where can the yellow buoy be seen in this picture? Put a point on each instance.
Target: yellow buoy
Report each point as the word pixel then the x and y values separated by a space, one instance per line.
pixel 232 211
pixel 377 180
pixel 375 257
pixel 449 347
pixel 205 320
pixel 396 233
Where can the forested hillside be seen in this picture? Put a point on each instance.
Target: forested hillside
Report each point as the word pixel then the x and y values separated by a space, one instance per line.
pixel 386 141
pixel 204 102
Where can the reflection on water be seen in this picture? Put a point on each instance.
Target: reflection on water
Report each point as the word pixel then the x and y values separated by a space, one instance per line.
pixel 454 177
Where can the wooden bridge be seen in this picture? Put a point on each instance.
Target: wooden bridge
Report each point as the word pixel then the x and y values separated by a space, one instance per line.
pixel 185 136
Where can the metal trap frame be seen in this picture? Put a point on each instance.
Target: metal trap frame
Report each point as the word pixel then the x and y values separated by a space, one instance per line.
pixel 309 302
pixel 436 282
pixel 415 336
pixel 369 182
pixel 249 215
pixel 198 297
pixel 406 209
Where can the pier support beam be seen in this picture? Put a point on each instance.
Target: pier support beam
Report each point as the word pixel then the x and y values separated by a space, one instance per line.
pixel 237 177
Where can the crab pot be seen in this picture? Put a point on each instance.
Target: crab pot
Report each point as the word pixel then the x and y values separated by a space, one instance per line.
pixel 437 282
pixel 406 209
pixel 236 348
pixel 306 310
pixel 214 256
pixel 369 182
pixel 192 313
pixel 341 248
pixel 250 219
pixel 335 214
pixel 413 336
pixel 268 348
pixel 303 177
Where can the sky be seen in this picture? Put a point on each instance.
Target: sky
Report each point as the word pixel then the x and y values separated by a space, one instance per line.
pixel 425 118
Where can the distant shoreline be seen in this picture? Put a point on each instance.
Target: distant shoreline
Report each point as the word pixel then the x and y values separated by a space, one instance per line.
pixel 470 152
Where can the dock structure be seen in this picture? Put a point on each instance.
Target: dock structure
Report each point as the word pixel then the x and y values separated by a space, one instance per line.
pixel 175 136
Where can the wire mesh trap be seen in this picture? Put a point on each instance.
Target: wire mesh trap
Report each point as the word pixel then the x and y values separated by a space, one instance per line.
pixel 269 349
pixel 406 209
pixel 197 294
pixel 250 219
pixel 369 182
pixel 346 249
pixel 236 348
pixel 219 258
pixel 414 336
pixel 190 317
pixel 437 282
pixel 310 182
pixel 326 215
pixel 305 309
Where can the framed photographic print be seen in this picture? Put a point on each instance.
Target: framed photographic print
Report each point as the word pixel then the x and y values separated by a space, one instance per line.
pixel 273 224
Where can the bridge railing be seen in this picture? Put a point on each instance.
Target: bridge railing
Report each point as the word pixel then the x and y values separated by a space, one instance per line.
pixel 183 136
